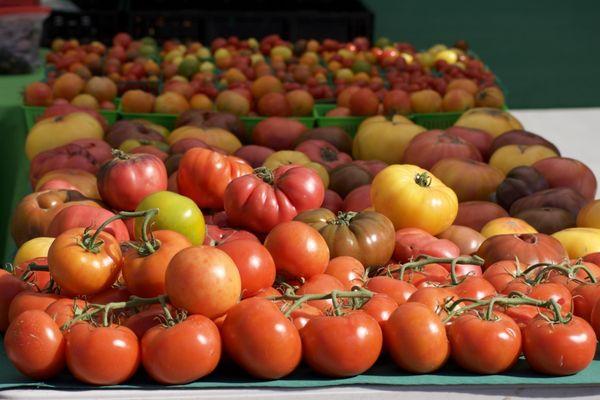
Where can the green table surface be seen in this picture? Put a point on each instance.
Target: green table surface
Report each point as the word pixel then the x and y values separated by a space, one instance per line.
pixel 383 373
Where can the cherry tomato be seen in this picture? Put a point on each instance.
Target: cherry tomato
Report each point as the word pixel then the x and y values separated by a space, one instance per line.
pixel 341 346
pixel 35 345
pixel 347 270
pixel 298 250
pixel 102 355
pixel 144 273
pixel 10 286
pixel 398 290
pixel 321 283
pixel 30 300
pixel 260 339
pixel 557 348
pixel 416 338
pixel 497 353
pixel 254 263
pixel 193 346
pixel 203 280
pixel 81 271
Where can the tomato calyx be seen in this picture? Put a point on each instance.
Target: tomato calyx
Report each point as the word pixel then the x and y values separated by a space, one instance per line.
pixel 357 296
pixel 342 218
pixel 328 154
pixel 120 154
pixel 423 179
pixel 485 307
pixel 266 174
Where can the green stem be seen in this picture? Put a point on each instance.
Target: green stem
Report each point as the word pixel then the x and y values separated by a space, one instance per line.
pixel 334 295
pixel 424 260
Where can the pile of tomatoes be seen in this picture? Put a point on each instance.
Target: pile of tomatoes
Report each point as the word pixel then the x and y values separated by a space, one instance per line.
pixel 181 254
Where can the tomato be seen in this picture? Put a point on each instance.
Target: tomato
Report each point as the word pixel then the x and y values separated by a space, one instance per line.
pixel 341 346
pixel 411 197
pixel 547 220
pixel 203 176
pixel 144 273
pixel 367 236
pixel 142 321
pixel 324 153
pixel 162 349
pixel 113 294
pixel 175 213
pixel 579 242
pixel 475 214
pixel 82 216
pixel 589 215
pixel 399 291
pixel 427 148
pixel 216 236
pixel 332 134
pixel 413 242
pixel 267 198
pixel 505 226
pixel 303 314
pixel 332 201
pixel 567 172
pixel 580 276
pixel 317 284
pixel 528 249
pixel 416 338
pixel 428 274
pixel 482 183
pixel 261 340
pixel 288 157
pixel 10 286
pixel 467 239
pixel 435 298
pixel 124 181
pixel 35 211
pixel 101 355
pixel 254 263
pixel 212 136
pixel 39 279
pixel 501 273
pixel 559 293
pixel 63 310
pixel 514 155
pixel 203 280
pixel 348 270
pixel 68 178
pixel 33 248
pixel 474 287
pixel 497 353
pixel 585 297
pixel 81 271
pixel 299 251
pixel 30 300
pixel 519 136
pixel 563 198
pixel 557 348
pixel 519 182
pixel 380 306
pixel 358 199
pixel 35 345
pixel 348 177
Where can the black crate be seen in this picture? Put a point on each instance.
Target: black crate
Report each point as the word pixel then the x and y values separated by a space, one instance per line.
pixel 162 25
pixel 246 24
pixel 343 26
pixel 85 26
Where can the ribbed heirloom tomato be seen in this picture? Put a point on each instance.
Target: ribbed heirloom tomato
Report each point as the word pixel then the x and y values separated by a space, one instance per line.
pixel 411 197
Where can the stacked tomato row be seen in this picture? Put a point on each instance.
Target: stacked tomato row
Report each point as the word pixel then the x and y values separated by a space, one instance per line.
pixel 143 246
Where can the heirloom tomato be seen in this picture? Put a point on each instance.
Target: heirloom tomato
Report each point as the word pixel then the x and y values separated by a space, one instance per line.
pixel 579 241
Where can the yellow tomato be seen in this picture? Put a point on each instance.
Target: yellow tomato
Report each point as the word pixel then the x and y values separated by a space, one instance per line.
pixel 212 136
pixel 397 118
pixel 515 155
pixel 33 248
pixel 287 157
pixel 491 120
pixel 589 215
pixel 412 197
pixel 579 241
pixel 84 181
pixel 54 132
pixel 506 225
pixel 384 140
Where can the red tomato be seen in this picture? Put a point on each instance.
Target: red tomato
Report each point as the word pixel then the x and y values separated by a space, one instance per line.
pixel 35 345
pixel 193 346
pixel 559 349
pixel 320 284
pixel 10 286
pixel 416 338
pixel 30 300
pixel 216 235
pixel 547 291
pixel 380 306
pixel 585 296
pixel 303 314
pixel 111 295
pixel 261 340
pixel 101 355
pixel 501 273
pixel 203 280
pixel 203 176
pixel 474 287
pixel 254 262
pixel 580 275
pixel 429 273
pixel 124 181
pixel 80 271
pixel 63 310
pixel 144 274
pixel 341 346
pixel 435 298
pixel 299 251
pixel 497 353
pixel 522 314
pixel 39 279
pixel 332 201
pixel 140 322
pixel 324 153
pixel 263 200
pixel 347 270
pixel 83 216
pixel 398 290
pixel 358 199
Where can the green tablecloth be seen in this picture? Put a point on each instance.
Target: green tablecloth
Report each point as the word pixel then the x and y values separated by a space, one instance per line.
pixel 13 163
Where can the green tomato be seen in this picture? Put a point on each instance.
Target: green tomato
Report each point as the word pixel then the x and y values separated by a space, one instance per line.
pixel 175 212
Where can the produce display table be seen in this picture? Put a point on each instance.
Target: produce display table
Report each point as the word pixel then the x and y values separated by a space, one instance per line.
pixel 572 130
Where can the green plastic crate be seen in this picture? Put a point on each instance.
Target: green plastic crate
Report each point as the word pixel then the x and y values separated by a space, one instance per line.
pixel 166 120
pixel 251 122
pixel 441 120
pixel 33 112
pixel 349 124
